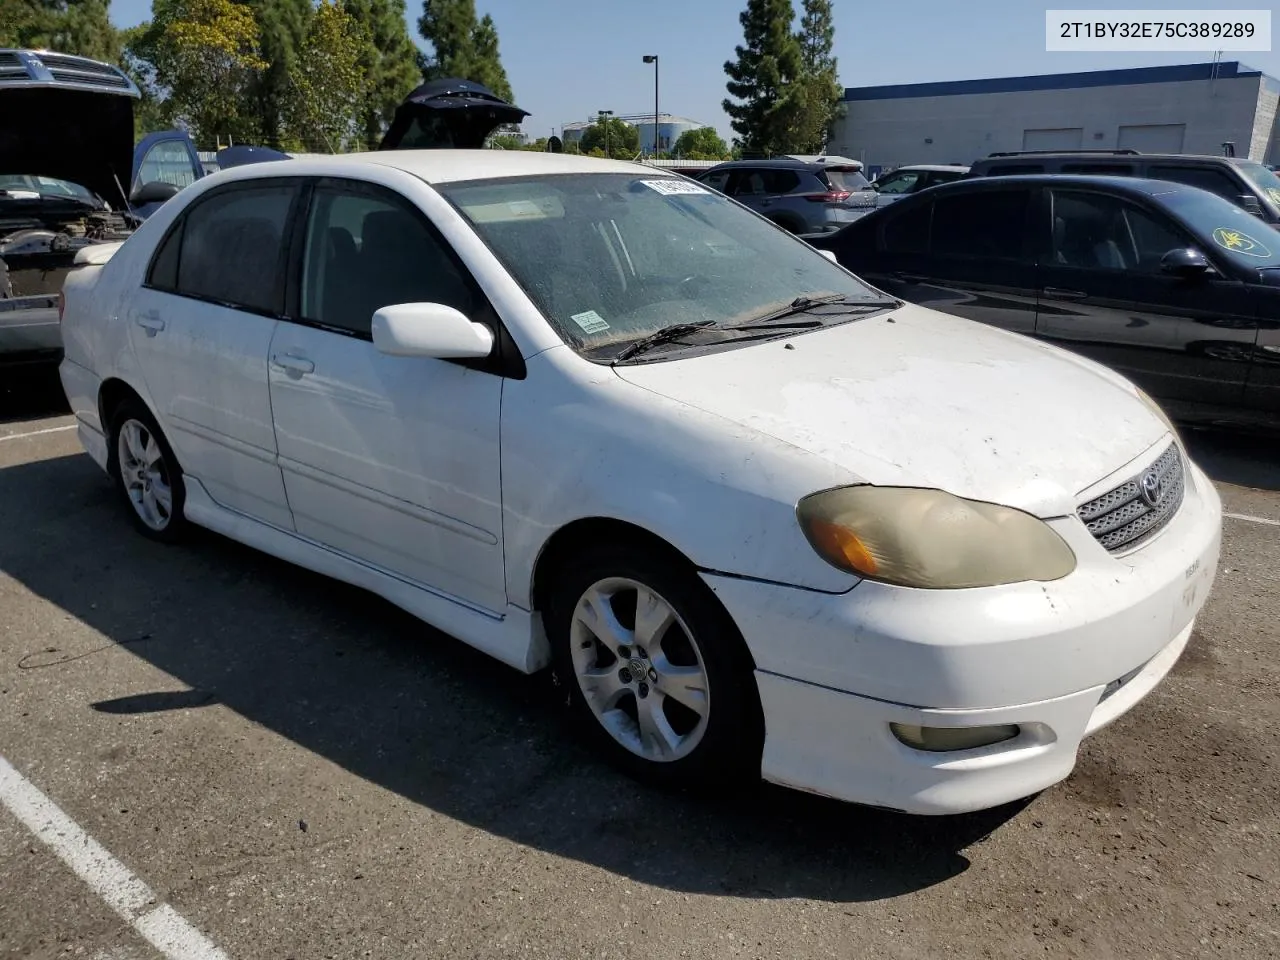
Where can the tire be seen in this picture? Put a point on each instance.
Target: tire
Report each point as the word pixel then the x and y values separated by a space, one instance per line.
pixel 691 681
pixel 147 473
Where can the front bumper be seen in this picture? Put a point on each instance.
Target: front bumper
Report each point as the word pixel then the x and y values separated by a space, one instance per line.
pixel 835 670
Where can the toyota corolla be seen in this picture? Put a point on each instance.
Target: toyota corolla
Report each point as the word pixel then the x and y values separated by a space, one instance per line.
pixel 760 518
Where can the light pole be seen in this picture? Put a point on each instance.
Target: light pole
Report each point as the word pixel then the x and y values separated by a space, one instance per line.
pixel 653 58
pixel 604 118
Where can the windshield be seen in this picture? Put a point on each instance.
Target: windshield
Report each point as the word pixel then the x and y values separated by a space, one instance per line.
pixel 44 186
pixel 1247 240
pixel 611 258
pixel 1262 178
pixel 847 178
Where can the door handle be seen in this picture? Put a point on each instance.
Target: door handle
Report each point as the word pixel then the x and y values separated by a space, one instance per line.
pixel 150 322
pixel 294 366
pixel 1062 294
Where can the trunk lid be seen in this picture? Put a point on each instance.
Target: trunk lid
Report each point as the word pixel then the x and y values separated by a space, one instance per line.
pixel 449 114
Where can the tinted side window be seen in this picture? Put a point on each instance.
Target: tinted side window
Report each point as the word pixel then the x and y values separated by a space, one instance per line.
pixel 985 224
pixel 1206 178
pixel 163 272
pixel 780 181
pixel 365 250
pixel 749 182
pixel 1100 169
pixel 906 229
pixel 1102 232
pixel 717 181
pixel 1010 169
pixel 232 247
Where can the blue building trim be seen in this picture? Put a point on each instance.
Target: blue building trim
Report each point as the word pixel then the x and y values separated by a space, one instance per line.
pixel 1228 70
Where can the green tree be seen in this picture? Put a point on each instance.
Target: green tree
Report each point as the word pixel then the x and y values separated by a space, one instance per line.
pixel 763 94
pixel 389 60
pixel 80 27
pixel 327 83
pixel 623 139
pixel 202 57
pixel 461 46
pixel 282 30
pixel 701 144
pixel 819 83
pixel 153 111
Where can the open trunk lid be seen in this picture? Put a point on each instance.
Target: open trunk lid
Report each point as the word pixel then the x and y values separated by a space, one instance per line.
pixel 449 114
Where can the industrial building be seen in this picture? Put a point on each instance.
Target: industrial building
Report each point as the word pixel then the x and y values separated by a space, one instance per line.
pixel 669 130
pixel 1188 108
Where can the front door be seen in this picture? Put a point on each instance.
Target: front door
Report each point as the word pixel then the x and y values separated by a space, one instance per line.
pixel 391 460
pixel 1105 295
pixel 200 329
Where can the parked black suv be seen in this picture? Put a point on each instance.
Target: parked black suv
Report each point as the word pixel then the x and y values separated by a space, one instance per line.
pixel 1246 183
pixel 1171 285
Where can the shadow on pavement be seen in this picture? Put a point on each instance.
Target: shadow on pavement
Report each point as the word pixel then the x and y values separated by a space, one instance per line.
pixel 31 393
pixel 359 683
pixel 1239 458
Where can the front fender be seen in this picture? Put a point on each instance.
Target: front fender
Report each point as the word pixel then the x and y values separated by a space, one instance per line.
pixel 581 444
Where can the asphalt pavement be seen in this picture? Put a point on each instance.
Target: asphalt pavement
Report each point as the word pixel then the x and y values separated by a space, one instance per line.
pixel 208 753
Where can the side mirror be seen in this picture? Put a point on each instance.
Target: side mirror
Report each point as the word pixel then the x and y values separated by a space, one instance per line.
pixel 429 330
pixel 830 255
pixel 157 191
pixel 1251 205
pixel 1185 263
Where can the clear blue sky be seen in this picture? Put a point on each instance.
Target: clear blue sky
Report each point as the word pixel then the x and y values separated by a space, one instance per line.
pixel 566 59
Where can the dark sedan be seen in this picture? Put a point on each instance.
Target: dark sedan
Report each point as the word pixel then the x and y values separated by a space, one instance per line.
pixel 1173 286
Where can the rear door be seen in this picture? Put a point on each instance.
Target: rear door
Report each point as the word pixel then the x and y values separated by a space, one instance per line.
pixel 1105 295
pixel 201 327
pixel 980 263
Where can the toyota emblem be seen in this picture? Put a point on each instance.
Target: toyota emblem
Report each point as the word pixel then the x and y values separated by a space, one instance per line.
pixel 1149 487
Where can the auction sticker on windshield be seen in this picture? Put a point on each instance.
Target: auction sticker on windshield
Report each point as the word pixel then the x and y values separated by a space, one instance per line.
pixel 669 186
pixel 1238 242
pixel 590 322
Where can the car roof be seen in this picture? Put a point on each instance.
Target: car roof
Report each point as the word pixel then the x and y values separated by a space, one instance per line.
pixel 932 167
pixel 1141 185
pixel 446 166
pixel 1104 155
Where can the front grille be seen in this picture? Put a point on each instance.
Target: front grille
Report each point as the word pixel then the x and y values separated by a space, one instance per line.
pixel 1125 517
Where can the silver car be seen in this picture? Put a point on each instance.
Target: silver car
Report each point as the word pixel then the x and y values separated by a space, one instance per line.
pixel 902 181
pixel 805 196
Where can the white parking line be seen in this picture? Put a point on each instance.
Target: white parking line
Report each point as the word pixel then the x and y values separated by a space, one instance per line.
pixel 157 923
pixel 36 433
pixel 1249 519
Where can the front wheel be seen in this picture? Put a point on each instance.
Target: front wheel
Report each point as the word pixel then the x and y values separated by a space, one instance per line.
pixel 656 671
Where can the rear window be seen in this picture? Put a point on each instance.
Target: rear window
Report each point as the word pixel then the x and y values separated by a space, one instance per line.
pixel 846 178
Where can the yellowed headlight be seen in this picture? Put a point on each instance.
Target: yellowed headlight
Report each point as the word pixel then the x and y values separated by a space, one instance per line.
pixel 931 539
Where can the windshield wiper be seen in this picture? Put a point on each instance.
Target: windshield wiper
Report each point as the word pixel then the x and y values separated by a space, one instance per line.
pixel 804 305
pixel 664 335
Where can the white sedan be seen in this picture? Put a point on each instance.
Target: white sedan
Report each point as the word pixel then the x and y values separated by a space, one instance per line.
pixel 760 518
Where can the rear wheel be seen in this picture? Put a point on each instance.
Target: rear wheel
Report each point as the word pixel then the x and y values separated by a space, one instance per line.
pixel 147 472
pixel 656 671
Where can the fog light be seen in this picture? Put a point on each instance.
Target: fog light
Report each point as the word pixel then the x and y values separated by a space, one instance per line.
pixel 942 739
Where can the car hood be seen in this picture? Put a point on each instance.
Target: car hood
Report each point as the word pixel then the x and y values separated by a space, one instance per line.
pixel 82 136
pixel 450 113
pixel 917 398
